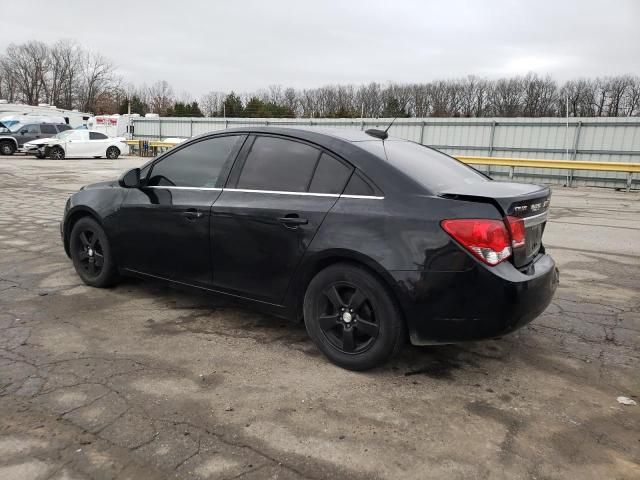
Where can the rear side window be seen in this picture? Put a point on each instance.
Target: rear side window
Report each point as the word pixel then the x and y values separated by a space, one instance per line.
pixel 358 186
pixel 278 164
pixel 330 176
pixel 97 136
pixel 196 165
pixel 48 129
pixel 430 168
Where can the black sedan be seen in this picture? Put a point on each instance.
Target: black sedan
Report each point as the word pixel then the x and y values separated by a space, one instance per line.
pixel 369 240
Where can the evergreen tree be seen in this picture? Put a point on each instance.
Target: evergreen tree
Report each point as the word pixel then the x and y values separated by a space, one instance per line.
pixel 232 106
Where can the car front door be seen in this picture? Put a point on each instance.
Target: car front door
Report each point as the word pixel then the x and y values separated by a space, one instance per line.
pixel 28 133
pixel 164 226
pixel 268 213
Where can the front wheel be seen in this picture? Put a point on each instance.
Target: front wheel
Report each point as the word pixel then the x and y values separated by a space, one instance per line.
pixel 91 254
pixel 7 148
pixel 113 153
pixel 352 317
pixel 56 153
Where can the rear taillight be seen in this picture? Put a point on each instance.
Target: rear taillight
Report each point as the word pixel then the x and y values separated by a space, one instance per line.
pixel 516 228
pixel 488 240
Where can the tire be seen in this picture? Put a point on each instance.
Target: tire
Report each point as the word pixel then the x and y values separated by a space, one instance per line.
pixel 352 317
pixel 92 255
pixel 113 153
pixel 7 148
pixel 56 153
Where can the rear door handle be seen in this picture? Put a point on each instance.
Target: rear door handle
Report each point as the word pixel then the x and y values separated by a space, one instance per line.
pixel 293 220
pixel 192 214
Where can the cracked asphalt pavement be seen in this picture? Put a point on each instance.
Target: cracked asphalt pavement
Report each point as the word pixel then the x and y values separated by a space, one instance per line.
pixel 144 381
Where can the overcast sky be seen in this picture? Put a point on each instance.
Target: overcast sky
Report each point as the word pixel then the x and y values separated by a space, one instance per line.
pixel 198 46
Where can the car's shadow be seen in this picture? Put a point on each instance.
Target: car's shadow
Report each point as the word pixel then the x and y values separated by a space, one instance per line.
pixel 216 315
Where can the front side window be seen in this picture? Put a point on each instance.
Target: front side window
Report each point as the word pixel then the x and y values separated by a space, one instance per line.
pixel 78 135
pixel 62 128
pixel 196 165
pixel 30 129
pixel 278 164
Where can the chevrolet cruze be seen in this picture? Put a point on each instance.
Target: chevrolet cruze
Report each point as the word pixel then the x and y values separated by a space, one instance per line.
pixel 368 240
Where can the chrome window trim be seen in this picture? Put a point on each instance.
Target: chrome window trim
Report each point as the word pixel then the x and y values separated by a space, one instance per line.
pixel 536 219
pixel 366 197
pixel 170 187
pixel 273 192
pixel 279 192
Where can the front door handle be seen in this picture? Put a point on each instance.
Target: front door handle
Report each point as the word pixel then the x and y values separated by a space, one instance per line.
pixel 192 214
pixel 293 220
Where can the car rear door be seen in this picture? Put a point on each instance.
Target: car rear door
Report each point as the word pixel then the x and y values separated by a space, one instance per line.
pixel 164 227
pixel 48 130
pixel 98 143
pixel 277 196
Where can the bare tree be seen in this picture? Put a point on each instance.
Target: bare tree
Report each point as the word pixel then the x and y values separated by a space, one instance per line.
pixel 211 103
pixel 27 64
pixel 160 97
pixel 539 96
pixel 505 97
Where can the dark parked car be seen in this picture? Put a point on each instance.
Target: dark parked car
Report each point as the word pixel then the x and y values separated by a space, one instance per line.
pixel 369 241
pixel 12 139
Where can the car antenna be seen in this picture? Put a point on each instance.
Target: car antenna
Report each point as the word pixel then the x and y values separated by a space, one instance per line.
pixel 381 134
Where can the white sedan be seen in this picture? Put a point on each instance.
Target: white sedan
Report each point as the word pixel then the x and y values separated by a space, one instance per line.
pixel 77 143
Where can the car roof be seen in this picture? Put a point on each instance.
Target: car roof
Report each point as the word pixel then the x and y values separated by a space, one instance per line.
pixel 345 143
pixel 345 134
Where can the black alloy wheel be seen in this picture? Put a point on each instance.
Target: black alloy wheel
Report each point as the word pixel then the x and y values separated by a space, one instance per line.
pixel 348 320
pixel 352 317
pixel 91 254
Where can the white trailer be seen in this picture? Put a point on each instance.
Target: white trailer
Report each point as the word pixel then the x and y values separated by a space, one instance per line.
pixel 16 111
pixel 112 125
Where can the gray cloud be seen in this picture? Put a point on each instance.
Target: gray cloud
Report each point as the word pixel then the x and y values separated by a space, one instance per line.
pixel 199 46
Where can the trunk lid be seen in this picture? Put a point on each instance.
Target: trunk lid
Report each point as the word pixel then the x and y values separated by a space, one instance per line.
pixel 525 201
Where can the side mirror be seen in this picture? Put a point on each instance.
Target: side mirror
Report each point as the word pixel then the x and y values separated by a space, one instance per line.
pixel 23 132
pixel 130 179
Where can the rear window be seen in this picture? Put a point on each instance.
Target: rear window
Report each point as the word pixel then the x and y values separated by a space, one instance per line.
pixel 430 168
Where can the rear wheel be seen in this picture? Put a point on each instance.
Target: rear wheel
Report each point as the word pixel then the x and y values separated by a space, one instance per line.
pixel 91 254
pixel 352 318
pixel 56 153
pixel 113 153
pixel 7 147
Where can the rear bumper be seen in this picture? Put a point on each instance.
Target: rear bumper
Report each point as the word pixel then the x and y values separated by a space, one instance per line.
pixel 479 303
